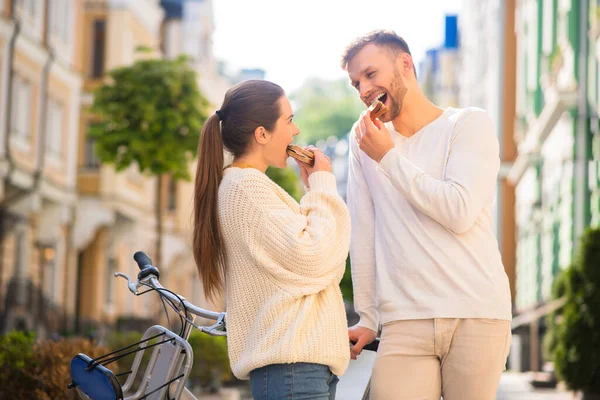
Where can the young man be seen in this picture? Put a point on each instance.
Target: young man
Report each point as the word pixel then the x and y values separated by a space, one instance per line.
pixel 425 261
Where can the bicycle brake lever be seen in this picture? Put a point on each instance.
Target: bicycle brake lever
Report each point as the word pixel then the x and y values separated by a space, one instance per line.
pixel 218 329
pixel 132 286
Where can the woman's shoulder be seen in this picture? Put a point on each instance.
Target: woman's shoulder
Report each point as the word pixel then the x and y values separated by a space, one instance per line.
pixel 252 184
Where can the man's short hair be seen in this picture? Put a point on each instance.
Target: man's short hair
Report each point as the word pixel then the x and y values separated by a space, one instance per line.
pixel 383 38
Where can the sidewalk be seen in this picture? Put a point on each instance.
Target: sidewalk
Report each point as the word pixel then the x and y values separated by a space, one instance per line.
pixel 515 386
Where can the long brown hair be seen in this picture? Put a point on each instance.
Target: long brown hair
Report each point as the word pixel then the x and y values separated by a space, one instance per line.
pixel 246 106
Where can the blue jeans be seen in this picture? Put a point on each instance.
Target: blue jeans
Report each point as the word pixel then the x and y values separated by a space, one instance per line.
pixel 298 381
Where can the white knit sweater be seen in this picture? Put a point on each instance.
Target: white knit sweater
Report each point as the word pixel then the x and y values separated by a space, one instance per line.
pixel 284 263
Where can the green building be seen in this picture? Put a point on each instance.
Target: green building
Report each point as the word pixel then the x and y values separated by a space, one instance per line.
pixel 556 172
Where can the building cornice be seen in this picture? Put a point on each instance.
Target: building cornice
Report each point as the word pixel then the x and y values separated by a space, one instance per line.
pixel 557 102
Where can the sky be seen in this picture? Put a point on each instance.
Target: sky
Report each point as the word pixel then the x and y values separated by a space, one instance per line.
pixel 295 40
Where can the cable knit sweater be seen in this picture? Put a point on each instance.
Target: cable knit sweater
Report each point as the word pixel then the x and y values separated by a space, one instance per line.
pixel 284 263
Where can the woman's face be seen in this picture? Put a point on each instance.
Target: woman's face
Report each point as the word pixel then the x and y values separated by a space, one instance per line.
pixel 281 136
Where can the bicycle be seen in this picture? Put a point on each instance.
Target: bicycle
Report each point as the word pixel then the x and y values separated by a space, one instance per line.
pixel 171 360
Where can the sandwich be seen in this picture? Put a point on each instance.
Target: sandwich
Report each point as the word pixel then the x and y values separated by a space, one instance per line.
pixel 377 109
pixel 301 154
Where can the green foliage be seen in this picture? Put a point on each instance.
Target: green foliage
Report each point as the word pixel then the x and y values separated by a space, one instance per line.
pixel 119 340
pixel 575 329
pixel 346 283
pixel 211 361
pixel 41 370
pixel 324 109
pixel 16 362
pixel 150 113
pixel 288 179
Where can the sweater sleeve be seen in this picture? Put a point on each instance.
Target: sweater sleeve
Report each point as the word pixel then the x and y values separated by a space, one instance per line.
pixel 312 243
pixel 458 199
pixel 362 243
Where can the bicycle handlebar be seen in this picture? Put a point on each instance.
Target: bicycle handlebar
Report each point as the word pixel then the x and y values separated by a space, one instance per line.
pixel 149 276
pixel 200 312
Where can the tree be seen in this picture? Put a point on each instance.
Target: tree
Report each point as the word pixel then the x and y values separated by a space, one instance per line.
pixel 324 109
pixel 151 114
pixel 287 179
pixel 575 329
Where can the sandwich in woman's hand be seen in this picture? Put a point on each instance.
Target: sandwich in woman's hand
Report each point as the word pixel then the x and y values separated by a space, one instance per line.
pixel 301 154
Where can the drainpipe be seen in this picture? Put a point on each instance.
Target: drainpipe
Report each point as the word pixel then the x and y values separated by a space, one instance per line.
pixel 8 110
pixel 581 172
pixel 7 123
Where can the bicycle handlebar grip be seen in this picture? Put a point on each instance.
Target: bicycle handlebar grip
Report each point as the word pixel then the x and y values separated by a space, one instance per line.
pixel 142 259
pixel 373 346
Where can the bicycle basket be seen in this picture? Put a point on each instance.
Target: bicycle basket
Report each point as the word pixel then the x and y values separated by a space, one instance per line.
pixel 94 379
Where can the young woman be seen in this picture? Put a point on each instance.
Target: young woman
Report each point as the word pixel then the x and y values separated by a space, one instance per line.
pixel 279 261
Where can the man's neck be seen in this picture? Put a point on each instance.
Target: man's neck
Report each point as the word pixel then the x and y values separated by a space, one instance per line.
pixel 416 113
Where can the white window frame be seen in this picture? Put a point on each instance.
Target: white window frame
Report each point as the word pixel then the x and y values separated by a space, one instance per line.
pixel 31 16
pixel 532 45
pixel 547 25
pixel 20 127
pixel 55 129
pixel 61 27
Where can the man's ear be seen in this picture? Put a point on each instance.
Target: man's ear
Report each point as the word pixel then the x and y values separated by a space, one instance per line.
pixel 261 135
pixel 406 64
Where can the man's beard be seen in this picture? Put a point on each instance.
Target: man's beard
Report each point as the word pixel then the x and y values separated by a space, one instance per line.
pixel 396 98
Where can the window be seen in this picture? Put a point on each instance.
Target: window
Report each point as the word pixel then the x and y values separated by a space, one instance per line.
pixel 21 107
pixel 27 6
pixel 54 134
pixel 532 45
pixel 50 273
pixel 548 21
pixel 98 45
pixel 60 15
pixel 172 201
pixel 111 269
pixel 90 161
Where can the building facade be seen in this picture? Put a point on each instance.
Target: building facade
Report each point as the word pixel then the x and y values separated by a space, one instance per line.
pixel 555 172
pixel 40 93
pixel 439 71
pixel 69 222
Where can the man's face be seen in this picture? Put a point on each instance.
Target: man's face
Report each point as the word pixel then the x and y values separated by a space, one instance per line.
pixel 375 73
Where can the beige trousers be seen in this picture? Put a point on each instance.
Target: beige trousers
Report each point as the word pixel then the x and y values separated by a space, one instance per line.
pixel 459 359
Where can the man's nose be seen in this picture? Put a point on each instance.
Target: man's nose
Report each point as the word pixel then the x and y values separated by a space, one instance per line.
pixel 365 93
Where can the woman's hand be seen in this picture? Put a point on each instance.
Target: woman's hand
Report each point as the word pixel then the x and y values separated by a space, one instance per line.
pixel 322 163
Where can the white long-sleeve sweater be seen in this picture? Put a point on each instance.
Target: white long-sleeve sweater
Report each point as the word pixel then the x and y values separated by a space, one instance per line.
pixel 284 263
pixel 422 243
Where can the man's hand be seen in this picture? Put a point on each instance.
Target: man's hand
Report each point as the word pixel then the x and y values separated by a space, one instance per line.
pixel 373 137
pixel 362 336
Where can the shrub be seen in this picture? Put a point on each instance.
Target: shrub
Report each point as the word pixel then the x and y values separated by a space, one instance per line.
pixel 30 370
pixel 16 363
pixel 576 337
pixel 211 361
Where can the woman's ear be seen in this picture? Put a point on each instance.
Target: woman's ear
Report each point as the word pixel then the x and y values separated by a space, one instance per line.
pixel 260 135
